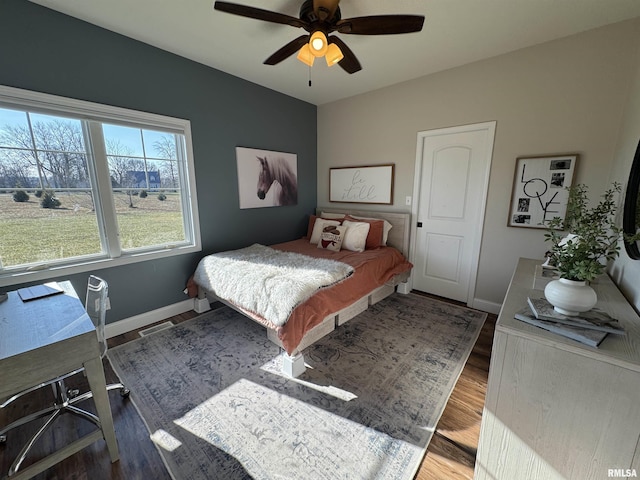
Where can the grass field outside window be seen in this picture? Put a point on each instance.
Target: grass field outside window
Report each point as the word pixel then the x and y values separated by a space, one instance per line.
pixel 29 232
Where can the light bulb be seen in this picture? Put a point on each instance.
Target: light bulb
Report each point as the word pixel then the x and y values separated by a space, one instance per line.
pixel 318 44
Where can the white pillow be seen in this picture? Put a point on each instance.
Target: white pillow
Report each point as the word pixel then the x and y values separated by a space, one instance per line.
pixel 318 227
pixel 338 216
pixel 385 229
pixel 355 237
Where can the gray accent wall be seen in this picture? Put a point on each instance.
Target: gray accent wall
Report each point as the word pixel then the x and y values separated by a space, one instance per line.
pixel 45 51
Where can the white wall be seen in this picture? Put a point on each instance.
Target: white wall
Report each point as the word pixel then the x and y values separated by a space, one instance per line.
pixel 626 272
pixel 563 96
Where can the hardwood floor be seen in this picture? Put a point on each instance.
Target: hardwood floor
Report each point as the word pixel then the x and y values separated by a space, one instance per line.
pixel 451 453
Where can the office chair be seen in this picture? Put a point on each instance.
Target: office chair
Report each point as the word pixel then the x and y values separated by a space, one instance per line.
pixel 66 398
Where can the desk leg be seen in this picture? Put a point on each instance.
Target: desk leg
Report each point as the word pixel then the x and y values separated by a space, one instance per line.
pixel 95 376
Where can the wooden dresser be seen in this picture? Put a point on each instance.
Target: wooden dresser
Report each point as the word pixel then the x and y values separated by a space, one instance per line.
pixel 556 409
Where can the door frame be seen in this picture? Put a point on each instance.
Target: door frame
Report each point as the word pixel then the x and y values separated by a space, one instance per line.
pixel 490 127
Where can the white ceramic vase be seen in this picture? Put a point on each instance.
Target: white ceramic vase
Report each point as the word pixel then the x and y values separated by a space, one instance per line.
pixel 570 297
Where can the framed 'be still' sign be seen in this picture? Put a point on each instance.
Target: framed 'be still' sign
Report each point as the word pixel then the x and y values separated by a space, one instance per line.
pixel 540 189
pixel 366 184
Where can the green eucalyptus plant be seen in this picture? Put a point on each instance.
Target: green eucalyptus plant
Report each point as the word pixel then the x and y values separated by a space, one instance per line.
pixel 583 257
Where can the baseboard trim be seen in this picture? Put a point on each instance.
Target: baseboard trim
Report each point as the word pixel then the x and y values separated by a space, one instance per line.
pixel 147 318
pixel 486 306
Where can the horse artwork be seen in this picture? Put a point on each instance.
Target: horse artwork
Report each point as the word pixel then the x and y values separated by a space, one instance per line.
pixel 276 174
pixel 277 170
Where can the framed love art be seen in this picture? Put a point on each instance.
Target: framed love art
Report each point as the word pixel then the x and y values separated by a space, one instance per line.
pixel 540 189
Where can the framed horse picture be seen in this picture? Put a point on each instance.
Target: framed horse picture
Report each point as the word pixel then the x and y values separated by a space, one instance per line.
pixel 266 178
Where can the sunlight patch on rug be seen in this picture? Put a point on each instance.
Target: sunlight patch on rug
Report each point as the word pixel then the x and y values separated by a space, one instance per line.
pixel 239 421
pixel 165 440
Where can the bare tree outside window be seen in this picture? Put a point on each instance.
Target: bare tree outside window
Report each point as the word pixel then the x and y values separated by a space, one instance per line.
pixel 165 148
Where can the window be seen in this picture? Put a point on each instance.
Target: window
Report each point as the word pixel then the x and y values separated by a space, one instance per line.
pixel 82 183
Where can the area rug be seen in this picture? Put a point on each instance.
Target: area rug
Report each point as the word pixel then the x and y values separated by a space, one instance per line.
pixel 217 406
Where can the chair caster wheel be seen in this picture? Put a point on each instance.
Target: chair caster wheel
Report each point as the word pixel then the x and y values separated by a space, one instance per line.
pixel 124 392
pixel 3 439
pixel 73 392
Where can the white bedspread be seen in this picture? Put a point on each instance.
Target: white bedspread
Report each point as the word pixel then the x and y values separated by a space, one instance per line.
pixel 268 282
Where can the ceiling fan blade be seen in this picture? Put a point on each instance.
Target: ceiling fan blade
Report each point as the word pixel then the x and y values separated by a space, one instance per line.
pixel 288 50
pixel 349 63
pixel 380 24
pixel 258 14
pixel 325 9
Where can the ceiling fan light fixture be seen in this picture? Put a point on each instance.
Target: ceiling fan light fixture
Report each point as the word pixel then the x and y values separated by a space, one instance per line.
pixel 305 55
pixel 321 18
pixel 333 55
pixel 318 44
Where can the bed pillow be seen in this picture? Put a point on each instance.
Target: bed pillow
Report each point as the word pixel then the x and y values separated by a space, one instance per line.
pixel 318 226
pixel 312 222
pixel 376 229
pixel 332 237
pixel 332 216
pixel 387 227
pixel 355 236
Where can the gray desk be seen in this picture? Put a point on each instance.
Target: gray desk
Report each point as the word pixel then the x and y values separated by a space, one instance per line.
pixel 45 338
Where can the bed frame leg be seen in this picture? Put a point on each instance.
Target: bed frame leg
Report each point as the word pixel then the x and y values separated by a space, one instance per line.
pixel 404 288
pixel 201 302
pixel 201 305
pixel 293 366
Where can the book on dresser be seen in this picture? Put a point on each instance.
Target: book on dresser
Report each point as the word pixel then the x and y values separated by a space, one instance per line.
pixel 587 336
pixel 594 319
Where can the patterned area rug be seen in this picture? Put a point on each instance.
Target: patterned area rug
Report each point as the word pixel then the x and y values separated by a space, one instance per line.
pixel 212 395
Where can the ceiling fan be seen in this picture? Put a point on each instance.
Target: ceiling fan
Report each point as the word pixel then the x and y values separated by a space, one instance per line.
pixel 320 18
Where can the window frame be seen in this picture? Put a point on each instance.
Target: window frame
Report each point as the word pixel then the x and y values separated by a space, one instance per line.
pixel 93 116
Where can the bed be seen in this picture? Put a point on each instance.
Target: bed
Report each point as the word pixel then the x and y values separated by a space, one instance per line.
pixel 374 274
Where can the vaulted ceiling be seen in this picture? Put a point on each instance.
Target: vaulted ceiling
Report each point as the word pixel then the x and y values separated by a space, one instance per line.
pixel 455 32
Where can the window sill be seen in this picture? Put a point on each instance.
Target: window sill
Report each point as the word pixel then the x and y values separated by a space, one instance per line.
pixel 16 278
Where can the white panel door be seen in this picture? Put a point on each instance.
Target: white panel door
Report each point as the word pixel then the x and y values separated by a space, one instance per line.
pixel 452 178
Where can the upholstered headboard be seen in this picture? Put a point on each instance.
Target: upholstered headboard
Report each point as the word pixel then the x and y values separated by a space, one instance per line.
pixel 401 222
